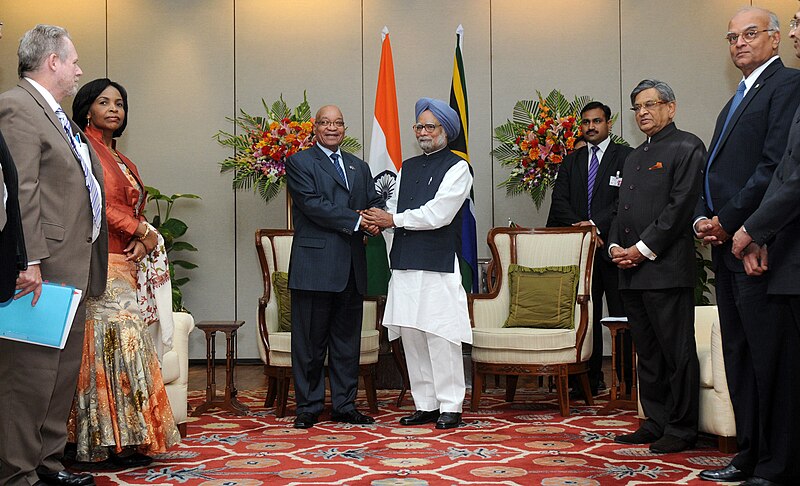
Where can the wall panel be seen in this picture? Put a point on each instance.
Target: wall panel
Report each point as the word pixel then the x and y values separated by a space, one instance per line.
pixel 176 61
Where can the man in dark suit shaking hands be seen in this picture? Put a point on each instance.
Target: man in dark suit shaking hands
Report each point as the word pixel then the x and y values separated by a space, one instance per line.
pixel 652 243
pixel 598 165
pixel 328 270
pixel 749 140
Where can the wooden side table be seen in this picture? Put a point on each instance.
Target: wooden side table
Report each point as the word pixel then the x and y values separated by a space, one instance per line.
pixel 228 401
pixel 618 326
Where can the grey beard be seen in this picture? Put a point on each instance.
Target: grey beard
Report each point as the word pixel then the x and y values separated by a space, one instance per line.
pixel 432 144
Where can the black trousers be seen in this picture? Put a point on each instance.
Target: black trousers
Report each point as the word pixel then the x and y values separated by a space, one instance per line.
pixel 662 325
pixel 605 281
pixel 326 324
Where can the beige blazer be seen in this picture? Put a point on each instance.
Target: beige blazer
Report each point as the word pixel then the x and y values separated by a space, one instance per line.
pixel 54 200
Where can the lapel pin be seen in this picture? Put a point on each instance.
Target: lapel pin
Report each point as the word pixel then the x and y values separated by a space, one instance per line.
pixel 351 167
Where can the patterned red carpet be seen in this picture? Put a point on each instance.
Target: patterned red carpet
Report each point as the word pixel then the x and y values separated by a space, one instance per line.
pixel 523 443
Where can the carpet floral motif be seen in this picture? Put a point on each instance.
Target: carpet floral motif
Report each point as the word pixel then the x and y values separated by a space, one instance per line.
pixel 523 443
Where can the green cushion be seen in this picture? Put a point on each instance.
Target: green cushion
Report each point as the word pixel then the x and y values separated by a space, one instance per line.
pixel 542 297
pixel 280 285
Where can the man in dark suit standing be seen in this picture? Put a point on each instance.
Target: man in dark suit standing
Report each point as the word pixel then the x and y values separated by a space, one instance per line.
pixel 12 243
pixel 749 140
pixel 652 243
pixel 66 239
pixel 328 270
pixel 776 223
pixel 598 165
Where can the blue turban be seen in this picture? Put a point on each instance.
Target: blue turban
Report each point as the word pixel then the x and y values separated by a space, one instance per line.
pixel 442 111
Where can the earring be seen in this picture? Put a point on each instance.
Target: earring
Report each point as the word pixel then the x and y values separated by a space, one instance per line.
pixel 88 119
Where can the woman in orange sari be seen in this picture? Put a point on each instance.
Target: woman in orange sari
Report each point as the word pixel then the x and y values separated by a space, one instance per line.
pixel 121 411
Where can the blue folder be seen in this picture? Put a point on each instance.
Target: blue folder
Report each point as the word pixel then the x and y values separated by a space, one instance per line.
pixel 46 324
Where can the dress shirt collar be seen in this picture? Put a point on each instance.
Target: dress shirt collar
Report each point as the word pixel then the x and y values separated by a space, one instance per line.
pixel 602 146
pixel 45 94
pixel 328 151
pixel 749 81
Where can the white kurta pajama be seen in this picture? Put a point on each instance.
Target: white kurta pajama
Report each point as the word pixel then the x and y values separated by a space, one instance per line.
pixel 429 309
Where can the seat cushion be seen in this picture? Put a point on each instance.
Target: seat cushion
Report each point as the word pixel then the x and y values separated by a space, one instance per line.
pixel 542 297
pixel 280 344
pixel 523 339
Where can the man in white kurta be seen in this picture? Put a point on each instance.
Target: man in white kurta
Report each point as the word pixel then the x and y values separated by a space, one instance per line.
pixel 426 303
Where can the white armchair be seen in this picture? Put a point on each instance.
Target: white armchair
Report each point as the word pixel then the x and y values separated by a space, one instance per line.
pixel 531 351
pixel 175 369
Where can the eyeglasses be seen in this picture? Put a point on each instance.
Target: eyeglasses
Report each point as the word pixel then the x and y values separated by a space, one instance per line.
pixel 329 123
pixel 794 23
pixel 748 36
pixel 648 105
pixel 429 127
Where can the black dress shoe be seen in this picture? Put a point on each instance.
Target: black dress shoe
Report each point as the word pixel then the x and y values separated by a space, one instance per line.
pixel 727 473
pixel 669 444
pixel 131 460
pixel 304 420
pixel 756 481
pixel 641 436
pixel 448 420
pixel 66 478
pixel 352 417
pixel 420 417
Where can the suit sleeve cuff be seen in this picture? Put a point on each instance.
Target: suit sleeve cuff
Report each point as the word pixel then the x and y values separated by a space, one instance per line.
pixel 694 225
pixel 644 250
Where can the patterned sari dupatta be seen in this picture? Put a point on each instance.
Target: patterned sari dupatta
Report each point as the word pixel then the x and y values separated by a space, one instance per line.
pixel 154 294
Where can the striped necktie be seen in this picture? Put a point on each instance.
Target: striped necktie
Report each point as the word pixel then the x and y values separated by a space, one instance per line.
pixel 95 195
pixel 335 158
pixel 594 165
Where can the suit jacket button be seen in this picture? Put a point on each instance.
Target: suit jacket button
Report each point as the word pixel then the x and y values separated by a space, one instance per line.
pixel 646 149
pixel 631 188
pixel 627 230
pixel 417 181
pixel 638 167
pixel 412 198
pixel 627 207
pixel 89 239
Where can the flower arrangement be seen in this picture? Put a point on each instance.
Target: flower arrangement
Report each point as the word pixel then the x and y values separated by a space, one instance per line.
pixel 265 142
pixel 535 141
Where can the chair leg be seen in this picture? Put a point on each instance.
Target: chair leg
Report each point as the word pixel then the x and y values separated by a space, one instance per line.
pixel 400 360
pixel 587 390
pixel 511 387
pixel 726 445
pixel 182 430
pixel 563 393
pixel 283 396
pixel 272 384
pixel 477 387
pixel 369 388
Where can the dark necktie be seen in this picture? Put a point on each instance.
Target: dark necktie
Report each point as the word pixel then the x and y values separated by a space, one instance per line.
pixel 339 170
pixel 737 99
pixel 594 164
pixel 95 197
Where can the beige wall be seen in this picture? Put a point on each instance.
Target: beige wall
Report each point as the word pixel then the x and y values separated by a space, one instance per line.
pixel 188 64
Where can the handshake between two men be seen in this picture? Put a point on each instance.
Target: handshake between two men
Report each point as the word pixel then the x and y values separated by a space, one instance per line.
pixel 375 220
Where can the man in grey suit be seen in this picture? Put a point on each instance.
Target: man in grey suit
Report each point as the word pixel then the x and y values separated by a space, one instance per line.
pixel 776 223
pixel 651 242
pixel 328 270
pixel 749 140
pixel 61 201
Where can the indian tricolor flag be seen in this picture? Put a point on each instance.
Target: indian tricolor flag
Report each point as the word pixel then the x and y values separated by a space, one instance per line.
pixel 385 159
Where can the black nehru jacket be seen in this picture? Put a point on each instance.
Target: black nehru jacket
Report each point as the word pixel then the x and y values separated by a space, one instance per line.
pixel 431 250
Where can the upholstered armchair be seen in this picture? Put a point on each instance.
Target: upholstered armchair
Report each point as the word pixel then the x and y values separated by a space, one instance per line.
pixel 521 351
pixel 275 346
pixel 175 369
